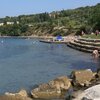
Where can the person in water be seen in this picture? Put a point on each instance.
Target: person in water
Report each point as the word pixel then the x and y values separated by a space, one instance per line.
pixel 95 53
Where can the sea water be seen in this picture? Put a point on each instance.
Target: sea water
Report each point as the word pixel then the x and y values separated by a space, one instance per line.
pixel 25 63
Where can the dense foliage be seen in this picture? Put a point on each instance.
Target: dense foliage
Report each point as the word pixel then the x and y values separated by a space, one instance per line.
pixel 63 22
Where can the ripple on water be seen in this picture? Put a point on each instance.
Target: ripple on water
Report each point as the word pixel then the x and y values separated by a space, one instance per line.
pixel 25 63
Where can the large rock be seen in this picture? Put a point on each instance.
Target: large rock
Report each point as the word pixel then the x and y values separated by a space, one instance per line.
pixel 92 93
pixel 21 95
pixel 82 77
pixel 60 83
pixel 98 73
pixel 6 97
pixel 53 89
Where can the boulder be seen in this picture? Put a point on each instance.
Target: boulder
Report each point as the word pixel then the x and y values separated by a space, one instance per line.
pixel 9 97
pixel 60 83
pixel 21 95
pixel 52 89
pixel 98 73
pixel 82 77
pixel 6 97
pixel 92 93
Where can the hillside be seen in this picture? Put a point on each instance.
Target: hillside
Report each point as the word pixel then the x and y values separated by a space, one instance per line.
pixel 64 22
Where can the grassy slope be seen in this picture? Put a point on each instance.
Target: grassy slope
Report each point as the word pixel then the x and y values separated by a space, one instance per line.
pixel 92 36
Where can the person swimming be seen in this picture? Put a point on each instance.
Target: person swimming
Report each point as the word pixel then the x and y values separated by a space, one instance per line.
pixel 95 53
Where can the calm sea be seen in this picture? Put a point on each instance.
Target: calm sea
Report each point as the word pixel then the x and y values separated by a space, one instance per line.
pixel 25 63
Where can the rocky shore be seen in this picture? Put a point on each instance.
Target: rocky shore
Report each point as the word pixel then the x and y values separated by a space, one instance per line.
pixel 81 85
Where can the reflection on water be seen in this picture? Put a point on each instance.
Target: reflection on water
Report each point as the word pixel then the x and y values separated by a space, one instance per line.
pixel 96 61
pixel 27 62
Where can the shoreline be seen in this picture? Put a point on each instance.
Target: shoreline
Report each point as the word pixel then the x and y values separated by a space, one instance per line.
pixel 76 88
pixel 38 36
pixel 73 86
pixel 66 39
pixel 27 36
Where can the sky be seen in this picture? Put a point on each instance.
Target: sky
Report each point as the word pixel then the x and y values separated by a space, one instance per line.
pixel 24 7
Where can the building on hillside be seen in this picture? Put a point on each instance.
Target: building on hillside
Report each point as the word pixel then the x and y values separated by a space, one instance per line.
pixel 30 25
pixel 17 22
pixel 10 23
pixel 1 24
pixel 54 14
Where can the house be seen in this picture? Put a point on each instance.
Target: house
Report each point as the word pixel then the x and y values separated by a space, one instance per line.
pixel 10 23
pixel 1 24
pixel 17 22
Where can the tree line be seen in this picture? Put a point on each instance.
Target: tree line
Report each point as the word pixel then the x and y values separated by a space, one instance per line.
pixel 63 22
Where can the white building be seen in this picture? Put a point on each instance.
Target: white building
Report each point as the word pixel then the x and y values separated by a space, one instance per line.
pixel 10 23
pixel 1 24
pixel 17 22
